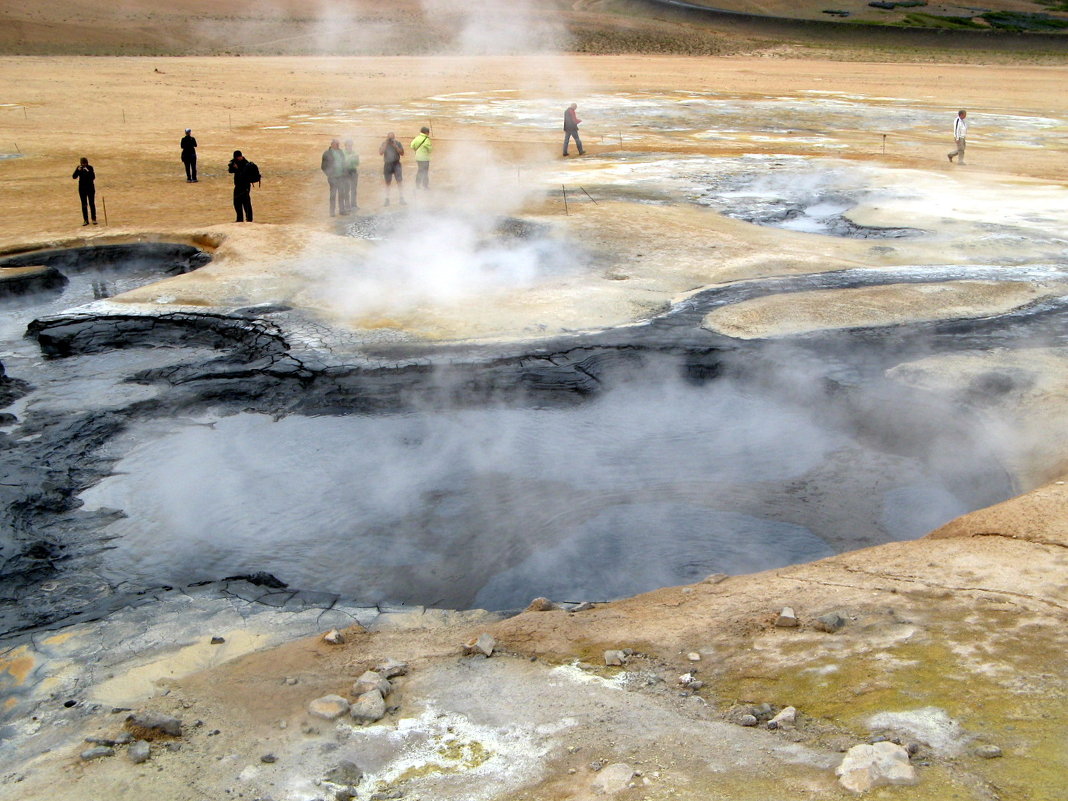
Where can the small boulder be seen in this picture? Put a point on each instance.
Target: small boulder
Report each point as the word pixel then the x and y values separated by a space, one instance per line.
pixel 785 719
pixel 392 667
pixel 612 779
pixel 693 656
pixel 865 767
pixel 615 658
pixel 787 619
pixel 150 725
pixel 345 772
pixel 747 720
pixel 541 605
pixel 97 752
pixel 329 707
pixel 334 637
pixel 482 644
pixel 139 752
pixel 830 623
pixel 987 751
pixel 370 680
pixel 369 707
pixel 217 640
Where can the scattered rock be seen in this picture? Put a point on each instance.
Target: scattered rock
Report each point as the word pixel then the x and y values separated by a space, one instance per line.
pixel 615 658
pixel 369 707
pixel 585 606
pixel 345 772
pixel 97 752
pixel 786 619
pixel 392 667
pixel 334 637
pixel 150 725
pixel 866 767
pixel 291 680
pixel 370 680
pixel 693 656
pixel 596 765
pixel 715 578
pixel 329 707
pixel 690 681
pixel 218 640
pixel 987 751
pixel 345 794
pixel 139 752
pixel 541 605
pixel 482 644
pixel 612 779
pixel 747 720
pixel 101 741
pixel 269 758
pixel 786 718
pixel 830 623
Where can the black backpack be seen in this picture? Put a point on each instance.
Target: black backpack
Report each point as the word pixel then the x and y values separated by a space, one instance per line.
pixel 252 173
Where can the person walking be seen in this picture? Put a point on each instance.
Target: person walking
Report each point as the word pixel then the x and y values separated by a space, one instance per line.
pixel 352 176
pixel 391 151
pixel 333 167
pixel 189 156
pixel 422 146
pixel 571 124
pixel 960 134
pixel 85 175
pixel 245 173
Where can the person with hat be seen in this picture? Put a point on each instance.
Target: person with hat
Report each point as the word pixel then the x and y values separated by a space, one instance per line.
pixel 245 175
pixel 189 156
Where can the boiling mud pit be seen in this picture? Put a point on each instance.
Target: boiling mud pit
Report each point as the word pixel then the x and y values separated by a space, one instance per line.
pixel 589 467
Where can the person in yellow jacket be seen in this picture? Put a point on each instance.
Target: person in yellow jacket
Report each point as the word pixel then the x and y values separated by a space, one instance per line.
pixel 422 146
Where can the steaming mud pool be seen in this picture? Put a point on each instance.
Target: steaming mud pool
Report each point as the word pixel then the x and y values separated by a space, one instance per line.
pixel 177 449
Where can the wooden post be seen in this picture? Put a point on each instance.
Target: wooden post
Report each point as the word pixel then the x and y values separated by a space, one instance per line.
pixel 884 144
pixel 587 194
pixel 564 189
pixel 104 203
pixel 124 116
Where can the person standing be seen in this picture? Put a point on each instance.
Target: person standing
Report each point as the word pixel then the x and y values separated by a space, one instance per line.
pixel 85 175
pixel 245 173
pixel 352 176
pixel 189 156
pixel 960 134
pixel 391 151
pixel 571 124
pixel 422 146
pixel 333 167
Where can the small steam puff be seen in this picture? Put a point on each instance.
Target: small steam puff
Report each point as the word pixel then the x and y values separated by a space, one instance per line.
pixel 434 259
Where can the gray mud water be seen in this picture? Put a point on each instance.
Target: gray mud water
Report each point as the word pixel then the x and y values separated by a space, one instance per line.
pixel 178 449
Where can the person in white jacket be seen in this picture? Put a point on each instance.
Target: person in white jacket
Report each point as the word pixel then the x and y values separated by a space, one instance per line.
pixel 960 133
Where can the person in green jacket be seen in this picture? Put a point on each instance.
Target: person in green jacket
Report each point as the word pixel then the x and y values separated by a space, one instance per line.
pixel 422 146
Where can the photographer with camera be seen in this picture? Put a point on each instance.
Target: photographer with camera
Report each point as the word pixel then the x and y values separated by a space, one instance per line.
pixel 245 173
pixel 86 178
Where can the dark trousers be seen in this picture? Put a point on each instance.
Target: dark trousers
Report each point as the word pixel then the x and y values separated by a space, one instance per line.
pixel 567 139
pixel 88 204
pixel 338 195
pixel 349 191
pixel 422 177
pixel 243 203
pixel 190 168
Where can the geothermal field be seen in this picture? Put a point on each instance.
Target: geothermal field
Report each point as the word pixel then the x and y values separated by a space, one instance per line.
pixel 704 465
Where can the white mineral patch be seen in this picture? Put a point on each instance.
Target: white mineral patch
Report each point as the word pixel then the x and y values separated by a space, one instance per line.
pixel 443 750
pixel 577 675
pixel 930 725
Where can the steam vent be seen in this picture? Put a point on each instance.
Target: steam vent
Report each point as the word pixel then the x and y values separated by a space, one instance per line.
pixel 721 458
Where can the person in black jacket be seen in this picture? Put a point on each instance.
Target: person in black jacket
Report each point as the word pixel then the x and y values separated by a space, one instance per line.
pixel 245 175
pixel 189 156
pixel 86 177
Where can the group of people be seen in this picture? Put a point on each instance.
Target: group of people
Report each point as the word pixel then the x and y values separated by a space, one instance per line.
pixel 341 167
